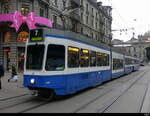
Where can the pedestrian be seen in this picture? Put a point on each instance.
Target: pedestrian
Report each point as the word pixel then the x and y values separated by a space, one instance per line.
pixel 13 74
pixel 1 73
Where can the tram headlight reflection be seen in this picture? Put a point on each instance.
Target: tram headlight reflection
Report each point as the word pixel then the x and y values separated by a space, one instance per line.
pixel 32 81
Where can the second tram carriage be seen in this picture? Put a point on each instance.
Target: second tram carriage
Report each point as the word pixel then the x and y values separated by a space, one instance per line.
pixel 57 65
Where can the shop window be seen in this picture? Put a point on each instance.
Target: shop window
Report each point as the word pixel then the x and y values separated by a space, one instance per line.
pixel 22 36
pixel 7 37
pixel 20 59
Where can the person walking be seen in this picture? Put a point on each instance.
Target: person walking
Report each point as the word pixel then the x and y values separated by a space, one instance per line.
pixel 13 74
pixel 1 73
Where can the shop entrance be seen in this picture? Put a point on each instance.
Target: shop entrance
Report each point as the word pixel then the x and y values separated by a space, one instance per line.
pixel 7 56
pixel 21 52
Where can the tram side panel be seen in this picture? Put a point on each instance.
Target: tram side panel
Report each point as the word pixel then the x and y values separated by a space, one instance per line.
pixel 129 66
pixel 85 76
pixel 117 65
pixel 136 64
pixel 68 79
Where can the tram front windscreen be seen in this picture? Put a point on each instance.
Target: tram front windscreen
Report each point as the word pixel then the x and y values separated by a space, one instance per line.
pixel 35 54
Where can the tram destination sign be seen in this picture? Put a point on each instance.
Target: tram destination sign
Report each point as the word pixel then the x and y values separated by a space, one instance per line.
pixel 36 35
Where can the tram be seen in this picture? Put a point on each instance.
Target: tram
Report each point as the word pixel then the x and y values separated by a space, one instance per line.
pixel 58 65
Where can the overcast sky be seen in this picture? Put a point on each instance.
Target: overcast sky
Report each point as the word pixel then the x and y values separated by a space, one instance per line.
pixel 128 14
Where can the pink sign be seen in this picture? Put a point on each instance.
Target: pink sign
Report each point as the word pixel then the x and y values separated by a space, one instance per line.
pixel 30 20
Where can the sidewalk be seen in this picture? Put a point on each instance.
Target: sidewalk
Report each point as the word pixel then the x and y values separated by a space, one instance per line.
pixel 11 89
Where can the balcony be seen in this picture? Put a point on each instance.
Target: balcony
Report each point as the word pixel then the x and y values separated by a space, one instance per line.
pixel 75 16
pixel 57 26
pixel 45 1
pixel 77 2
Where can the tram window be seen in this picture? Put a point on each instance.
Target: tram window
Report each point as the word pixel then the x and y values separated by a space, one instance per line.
pixel 73 57
pixel 55 60
pixel 117 64
pixel 84 58
pixel 128 61
pixel 102 59
pixel 35 55
pixel 92 58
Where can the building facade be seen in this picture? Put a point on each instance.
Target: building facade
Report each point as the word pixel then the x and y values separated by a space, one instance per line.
pixel 136 47
pixel 85 17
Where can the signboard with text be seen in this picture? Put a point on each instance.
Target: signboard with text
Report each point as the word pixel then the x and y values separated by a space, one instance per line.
pixel 36 35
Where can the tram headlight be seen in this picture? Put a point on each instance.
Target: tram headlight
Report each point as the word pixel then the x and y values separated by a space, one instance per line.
pixel 32 81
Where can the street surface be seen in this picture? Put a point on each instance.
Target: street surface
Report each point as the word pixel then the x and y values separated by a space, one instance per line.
pixel 128 94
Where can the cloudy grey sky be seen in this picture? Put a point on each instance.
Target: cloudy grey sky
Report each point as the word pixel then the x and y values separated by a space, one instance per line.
pixel 124 14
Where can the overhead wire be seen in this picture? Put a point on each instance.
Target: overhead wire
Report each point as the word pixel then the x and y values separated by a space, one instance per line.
pixel 125 23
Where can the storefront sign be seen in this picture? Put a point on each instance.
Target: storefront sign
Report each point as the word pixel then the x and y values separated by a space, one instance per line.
pixel 30 19
pixel 22 36
pixel 6 50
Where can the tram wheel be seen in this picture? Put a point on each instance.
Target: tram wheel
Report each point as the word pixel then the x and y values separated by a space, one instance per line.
pixel 47 94
pixel 51 96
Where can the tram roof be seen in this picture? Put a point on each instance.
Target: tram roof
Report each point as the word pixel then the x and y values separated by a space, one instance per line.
pixel 79 37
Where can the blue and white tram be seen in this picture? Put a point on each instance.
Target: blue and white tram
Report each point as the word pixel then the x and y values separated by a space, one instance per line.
pixel 61 66
pixel 129 65
pixel 58 65
pixel 136 64
pixel 117 64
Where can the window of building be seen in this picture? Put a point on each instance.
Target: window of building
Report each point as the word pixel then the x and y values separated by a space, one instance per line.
pixel 92 22
pixel 54 21
pixel 92 58
pixel 92 11
pixel 102 59
pixel 87 19
pixel 92 35
pixel 81 16
pixel 87 7
pixel 96 37
pixel 81 2
pixel 96 24
pixel 6 9
pixel 24 10
pixel 55 60
pixel 82 30
pixel 73 57
pixel 84 58
pixel 96 16
pixel 46 12
pixel 55 2
pixel 41 12
pixel 47 1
